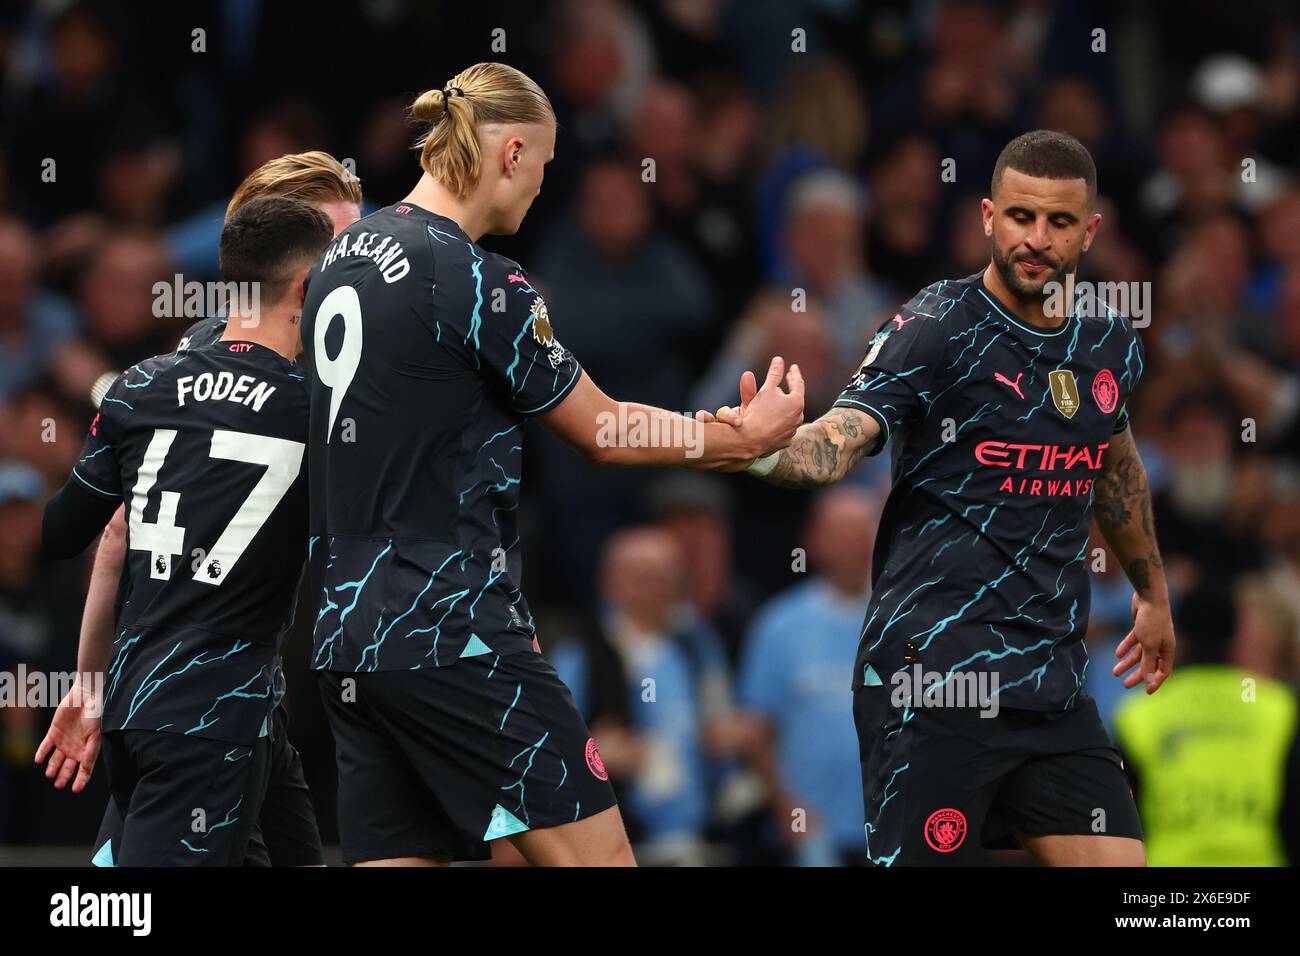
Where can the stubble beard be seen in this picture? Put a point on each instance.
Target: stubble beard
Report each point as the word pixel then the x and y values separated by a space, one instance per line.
pixel 1024 293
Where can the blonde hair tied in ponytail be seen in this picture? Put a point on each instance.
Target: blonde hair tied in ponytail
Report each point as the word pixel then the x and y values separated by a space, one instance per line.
pixel 485 94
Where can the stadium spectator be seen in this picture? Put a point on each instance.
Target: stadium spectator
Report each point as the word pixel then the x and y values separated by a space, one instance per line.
pixel 648 680
pixel 819 122
pixel 1281 533
pixel 698 511
pixel 1210 504
pixel 118 298
pixel 776 323
pixel 1268 638
pixel 1215 758
pixel 905 192
pixel 38 631
pixel 824 228
pixel 635 305
pixel 33 321
pixel 794 686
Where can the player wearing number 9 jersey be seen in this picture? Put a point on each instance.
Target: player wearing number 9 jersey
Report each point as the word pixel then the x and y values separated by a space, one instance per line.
pixel 205 448
pixel 429 355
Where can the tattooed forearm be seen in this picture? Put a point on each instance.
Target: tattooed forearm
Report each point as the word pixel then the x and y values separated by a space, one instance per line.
pixel 1110 510
pixel 1139 572
pixel 1122 509
pixel 824 451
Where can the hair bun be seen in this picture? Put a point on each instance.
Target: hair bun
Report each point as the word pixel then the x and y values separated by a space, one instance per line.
pixel 429 106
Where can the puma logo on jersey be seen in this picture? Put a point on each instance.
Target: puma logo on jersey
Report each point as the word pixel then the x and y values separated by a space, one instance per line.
pixel 903 321
pixel 223 387
pixel 1014 386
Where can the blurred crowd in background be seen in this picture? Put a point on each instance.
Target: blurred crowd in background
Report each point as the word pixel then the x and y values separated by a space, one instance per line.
pixel 706 625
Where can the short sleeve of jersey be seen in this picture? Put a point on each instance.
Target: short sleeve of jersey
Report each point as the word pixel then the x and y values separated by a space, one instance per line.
pixel 97 468
pixel 1121 420
pixel 893 383
pixel 1134 363
pixel 516 346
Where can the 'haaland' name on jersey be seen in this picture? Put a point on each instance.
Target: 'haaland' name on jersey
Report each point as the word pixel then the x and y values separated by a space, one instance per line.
pixel 386 252
pixel 223 387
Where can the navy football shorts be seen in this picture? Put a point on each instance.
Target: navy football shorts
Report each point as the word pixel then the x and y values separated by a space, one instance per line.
pixel 177 800
pixel 285 833
pixel 440 761
pixel 945 785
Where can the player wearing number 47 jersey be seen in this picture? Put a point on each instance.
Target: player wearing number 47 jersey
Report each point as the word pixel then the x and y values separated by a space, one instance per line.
pixel 430 354
pixel 206 450
pixel 286 832
pixel 1009 430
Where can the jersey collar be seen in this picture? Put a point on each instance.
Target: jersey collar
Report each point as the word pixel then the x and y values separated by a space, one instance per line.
pixel 254 348
pixel 1010 316
pixel 429 215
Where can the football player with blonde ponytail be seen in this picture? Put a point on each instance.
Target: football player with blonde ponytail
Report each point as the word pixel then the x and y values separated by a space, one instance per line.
pixel 429 355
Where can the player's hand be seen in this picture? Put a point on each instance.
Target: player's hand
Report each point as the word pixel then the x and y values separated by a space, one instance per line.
pixel 769 416
pixel 1149 646
pixel 731 415
pixel 73 740
pixel 727 415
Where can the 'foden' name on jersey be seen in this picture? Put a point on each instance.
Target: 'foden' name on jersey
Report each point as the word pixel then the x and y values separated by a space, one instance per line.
pixel 223 386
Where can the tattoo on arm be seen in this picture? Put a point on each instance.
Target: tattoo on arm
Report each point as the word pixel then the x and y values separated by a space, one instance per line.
pixel 824 450
pixel 1139 573
pixel 1122 507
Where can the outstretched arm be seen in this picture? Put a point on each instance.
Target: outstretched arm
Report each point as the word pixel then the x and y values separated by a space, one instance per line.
pixel 824 451
pixel 607 432
pixel 1122 509
pixel 821 452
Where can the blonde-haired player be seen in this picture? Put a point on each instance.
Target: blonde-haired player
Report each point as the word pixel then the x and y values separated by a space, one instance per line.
pixel 429 355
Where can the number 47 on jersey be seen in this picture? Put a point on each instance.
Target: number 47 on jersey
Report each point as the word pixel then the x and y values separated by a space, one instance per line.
pixel 163 538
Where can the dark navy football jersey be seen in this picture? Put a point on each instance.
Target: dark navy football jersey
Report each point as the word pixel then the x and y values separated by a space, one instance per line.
pixel 998 431
pixel 206 449
pixel 202 333
pixel 429 354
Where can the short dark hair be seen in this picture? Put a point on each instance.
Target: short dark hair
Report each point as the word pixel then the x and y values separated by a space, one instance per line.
pixel 268 238
pixel 1050 155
